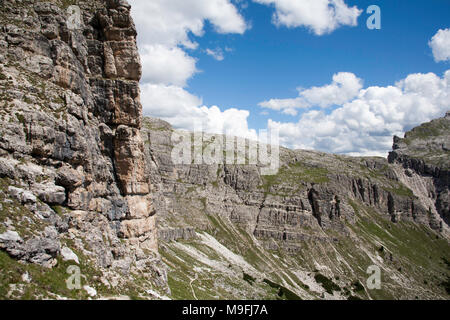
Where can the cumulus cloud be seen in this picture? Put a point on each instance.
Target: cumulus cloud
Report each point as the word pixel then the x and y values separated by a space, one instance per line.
pixel 184 110
pixel 286 106
pixel 440 44
pixel 164 28
pixel 320 16
pixel 344 87
pixel 365 125
pixel 169 22
pixel 164 39
pixel 164 65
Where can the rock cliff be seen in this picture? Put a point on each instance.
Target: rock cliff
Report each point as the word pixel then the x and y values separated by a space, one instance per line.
pixel 89 184
pixel 71 153
pixel 322 216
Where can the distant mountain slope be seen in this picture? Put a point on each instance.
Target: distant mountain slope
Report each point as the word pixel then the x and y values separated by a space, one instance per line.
pixel 88 184
pixel 310 231
pixel 426 151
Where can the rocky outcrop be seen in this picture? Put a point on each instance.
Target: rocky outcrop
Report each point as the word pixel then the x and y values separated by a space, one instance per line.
pixel 70 128
pixel 321 214
pixel 425 152
pixel 86 181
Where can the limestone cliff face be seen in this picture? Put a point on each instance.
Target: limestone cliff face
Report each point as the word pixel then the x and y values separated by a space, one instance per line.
pixel 322 216
pixel 70 129
pixel 425 152
pixel 312 192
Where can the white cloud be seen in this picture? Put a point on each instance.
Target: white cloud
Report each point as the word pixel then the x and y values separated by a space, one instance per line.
pixel 440 44
pixel 184 110
pixel 287 106
pixel 344 87
pixel 166 101
pixel 164 65
pixel 366 124
pixel 216 54
pixel 164 27
pixel 321 16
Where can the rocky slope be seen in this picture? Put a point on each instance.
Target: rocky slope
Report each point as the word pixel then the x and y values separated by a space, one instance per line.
pixel 310 231
pixel 87 182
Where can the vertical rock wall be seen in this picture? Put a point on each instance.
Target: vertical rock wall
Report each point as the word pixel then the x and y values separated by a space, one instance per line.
pixel 71 115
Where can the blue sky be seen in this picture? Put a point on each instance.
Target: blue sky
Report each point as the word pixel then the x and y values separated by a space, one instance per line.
pixel 263 61
pixel 269 61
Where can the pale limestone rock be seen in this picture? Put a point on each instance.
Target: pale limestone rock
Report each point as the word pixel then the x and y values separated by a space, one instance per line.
pixel 130 161
pixel 90 291
pixel 68 255
pixel 139 206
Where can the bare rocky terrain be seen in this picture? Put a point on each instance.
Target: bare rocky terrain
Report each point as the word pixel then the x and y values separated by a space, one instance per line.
pixel 87 181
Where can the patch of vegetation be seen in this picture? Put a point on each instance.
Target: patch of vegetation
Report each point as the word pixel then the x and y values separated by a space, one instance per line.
pixel 248 278
pixel 283 292
pixel 155 127
pixel 354 205
pixel 21 118
pixel 58 209
pixel 43 280
pixel 191 189
pixel 204 203
pixel 409 247
pixel 25 223
pixel 434 128
pixel 400 190
pixel 327 283
pixel 181 275
pixel 296 174
pixel 67 3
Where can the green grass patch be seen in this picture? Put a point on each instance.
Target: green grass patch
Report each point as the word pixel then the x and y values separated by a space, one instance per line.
pixel 283 292
pixel 296 175
pixel 400 190
pixel 248 278
pixel 326 283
